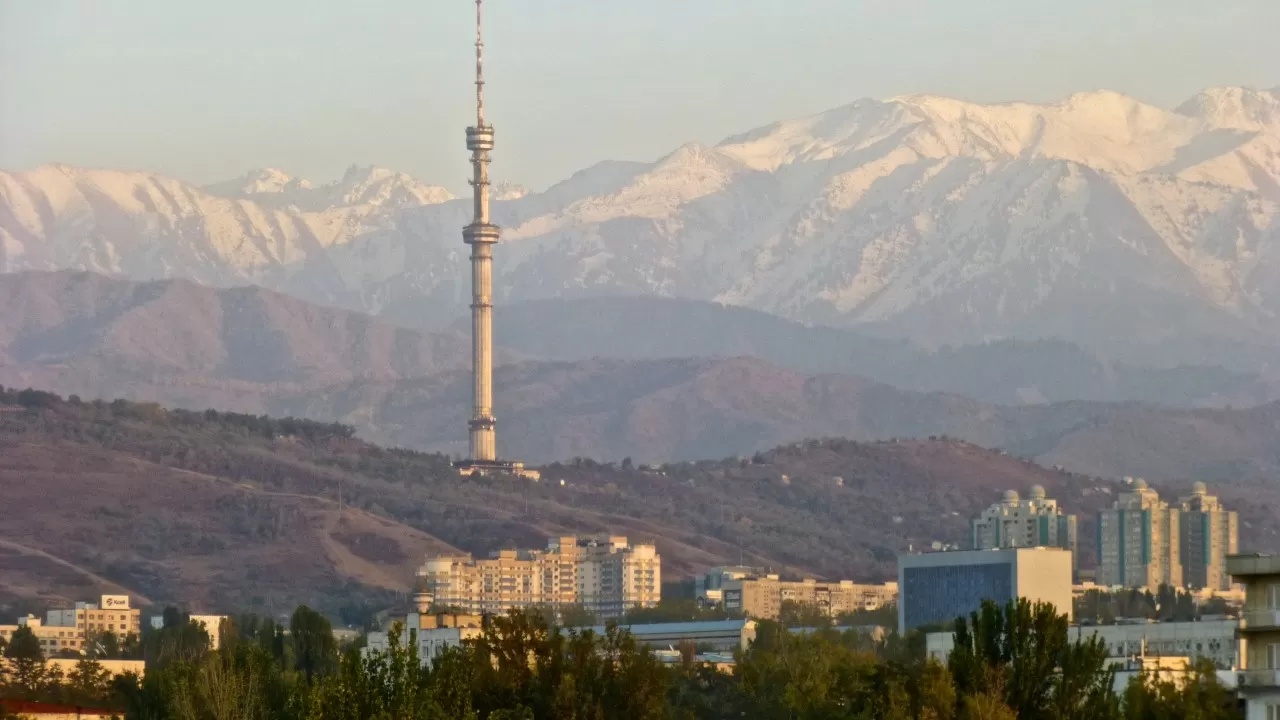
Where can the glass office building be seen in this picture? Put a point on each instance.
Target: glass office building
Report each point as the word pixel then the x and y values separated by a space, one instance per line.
pixel 937 588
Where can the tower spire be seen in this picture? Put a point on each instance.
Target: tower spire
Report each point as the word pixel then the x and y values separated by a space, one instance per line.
pixel 479 66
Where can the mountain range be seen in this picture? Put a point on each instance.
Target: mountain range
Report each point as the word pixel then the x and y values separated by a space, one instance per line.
pixel 619 385
pixel 1145 234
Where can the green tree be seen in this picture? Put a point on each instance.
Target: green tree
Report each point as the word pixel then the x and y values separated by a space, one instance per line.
pixel 315 651
pixel 794 614
pixel 1022 653
pixel 1198 696
pixel 26 660
pixel 89 679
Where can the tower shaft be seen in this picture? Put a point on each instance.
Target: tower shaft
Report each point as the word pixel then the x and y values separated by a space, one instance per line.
pixel 481 235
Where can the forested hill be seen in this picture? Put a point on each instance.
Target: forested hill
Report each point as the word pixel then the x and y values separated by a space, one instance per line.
pixel 223 511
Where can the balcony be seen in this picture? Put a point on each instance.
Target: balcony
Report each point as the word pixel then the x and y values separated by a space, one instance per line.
pixel 1260 620
pixel 1259 679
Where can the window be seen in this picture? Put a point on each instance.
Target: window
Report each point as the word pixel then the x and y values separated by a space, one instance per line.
pixel 1273 657
pixel 1275 596
pixel 1273 712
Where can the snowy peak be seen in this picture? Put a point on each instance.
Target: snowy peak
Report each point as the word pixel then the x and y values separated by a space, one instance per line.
pixel 1236 108
pixel 1103 130
pixel 267 181
pixel 381 187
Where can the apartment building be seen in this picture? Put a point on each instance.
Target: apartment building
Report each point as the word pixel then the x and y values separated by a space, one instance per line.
pixel 761 597
pixel 1259 681
pixel 1139 541
pixel 1034 521
pixel 1208 534
pixel 605 576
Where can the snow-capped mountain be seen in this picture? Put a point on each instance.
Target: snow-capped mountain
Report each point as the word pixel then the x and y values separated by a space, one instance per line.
pixel 1099 219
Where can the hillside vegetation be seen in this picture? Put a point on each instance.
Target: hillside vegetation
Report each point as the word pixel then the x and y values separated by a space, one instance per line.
pixel 226 511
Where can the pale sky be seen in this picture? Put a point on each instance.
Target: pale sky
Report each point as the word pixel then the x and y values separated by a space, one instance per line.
pixel 205 90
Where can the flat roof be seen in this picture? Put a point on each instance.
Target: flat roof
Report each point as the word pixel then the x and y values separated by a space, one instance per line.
pixel 1253 564
pixel 682 628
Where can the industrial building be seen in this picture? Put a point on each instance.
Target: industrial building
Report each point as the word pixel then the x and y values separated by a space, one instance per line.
pixel 1139 543
pixel 1259 682
pixel 1035 521
pixel 1208 534
pixel 936 588
pixel 606 577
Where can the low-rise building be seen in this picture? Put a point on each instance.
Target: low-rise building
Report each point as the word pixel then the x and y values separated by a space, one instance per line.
pixel 212 625
pixel 762 597
pixel 937 588
pixel 1214 640
pixel 709 587
pixel 715 635
pixel 1260 628
pixel 433 633
pixel 53 711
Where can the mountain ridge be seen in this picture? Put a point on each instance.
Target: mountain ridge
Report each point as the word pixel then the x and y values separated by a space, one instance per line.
pixel 1098 220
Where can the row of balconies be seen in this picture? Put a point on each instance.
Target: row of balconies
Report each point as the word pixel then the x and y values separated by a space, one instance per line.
pixel 1260 620
pixel 1260 678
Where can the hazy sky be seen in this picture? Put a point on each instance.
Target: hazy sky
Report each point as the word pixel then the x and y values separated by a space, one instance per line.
pixel 207 89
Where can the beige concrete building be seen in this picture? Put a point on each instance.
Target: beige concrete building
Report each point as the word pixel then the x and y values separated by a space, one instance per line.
pixel 762 597
pixel 1260 627
pixel 72 629
pixel 433 633
pixel 212 625
pixel 1139 541
pixel 53 638
pixel 607 577
pixel 1208 534
pixel 1034 521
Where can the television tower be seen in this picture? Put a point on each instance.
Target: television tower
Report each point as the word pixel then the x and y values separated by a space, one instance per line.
pixel 481 235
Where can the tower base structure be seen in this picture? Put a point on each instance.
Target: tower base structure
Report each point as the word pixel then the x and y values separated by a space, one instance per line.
pixel 494 468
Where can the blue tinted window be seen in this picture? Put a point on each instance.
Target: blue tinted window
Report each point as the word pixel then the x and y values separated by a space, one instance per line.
pixel 942 594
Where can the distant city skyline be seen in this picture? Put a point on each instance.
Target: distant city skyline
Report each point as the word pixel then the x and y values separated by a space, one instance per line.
pixel 208 91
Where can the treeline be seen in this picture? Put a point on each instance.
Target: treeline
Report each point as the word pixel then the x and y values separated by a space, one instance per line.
pixel 104 411
pixel 1010 663
pixel 1167 604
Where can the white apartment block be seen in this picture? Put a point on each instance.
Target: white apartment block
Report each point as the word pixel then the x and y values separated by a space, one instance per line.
pixel 607 577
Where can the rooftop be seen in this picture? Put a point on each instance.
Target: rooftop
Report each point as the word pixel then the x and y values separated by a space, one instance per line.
pixel 1253 564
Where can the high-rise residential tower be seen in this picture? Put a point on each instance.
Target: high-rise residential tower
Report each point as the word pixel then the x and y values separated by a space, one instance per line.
pixel 1139 542
pixel 1035 521
pixel 482 234
pixel 1209 533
